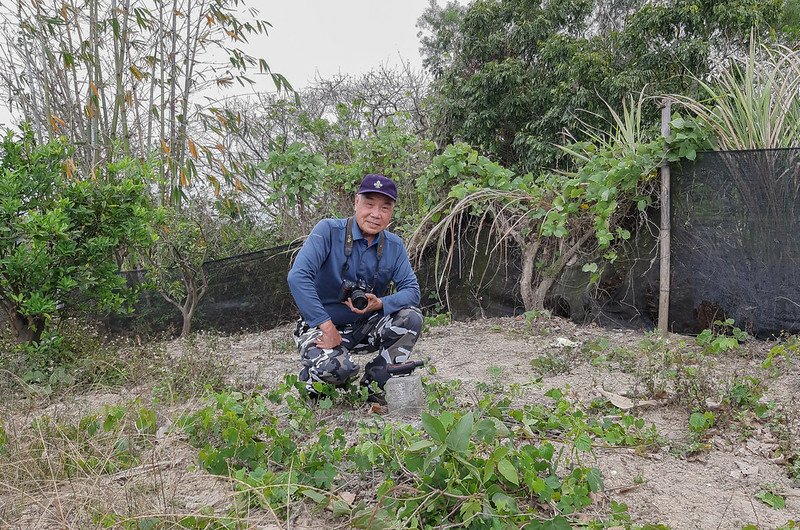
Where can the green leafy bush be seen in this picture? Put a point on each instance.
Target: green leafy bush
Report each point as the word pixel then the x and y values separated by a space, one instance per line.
pixel 59 236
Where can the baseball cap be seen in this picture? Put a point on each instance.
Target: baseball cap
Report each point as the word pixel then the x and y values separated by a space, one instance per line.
pixel 374 183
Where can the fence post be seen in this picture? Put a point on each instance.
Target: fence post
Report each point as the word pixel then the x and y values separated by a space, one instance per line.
pixel 665 231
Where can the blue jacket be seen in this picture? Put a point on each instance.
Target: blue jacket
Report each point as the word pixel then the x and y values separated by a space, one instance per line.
pixel 316 276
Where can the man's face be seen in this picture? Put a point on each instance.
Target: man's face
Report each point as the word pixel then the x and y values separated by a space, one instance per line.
pixel 373 212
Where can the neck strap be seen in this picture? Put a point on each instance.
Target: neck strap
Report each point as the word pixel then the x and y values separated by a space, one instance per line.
pixel 348 240
pixel 348 249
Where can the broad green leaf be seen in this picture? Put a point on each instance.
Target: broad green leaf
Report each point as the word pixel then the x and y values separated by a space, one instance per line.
pixel 433 427
pixel 554 393
pixel 594 479
pixel 508 471
pixel 316 496
pixel 419 446
pixel 458 439
pixel 557 523
pixel 771 499
pixel 340 508
pixel 583 443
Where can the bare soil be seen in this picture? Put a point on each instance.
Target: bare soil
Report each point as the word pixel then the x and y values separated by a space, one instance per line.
pixel 713 488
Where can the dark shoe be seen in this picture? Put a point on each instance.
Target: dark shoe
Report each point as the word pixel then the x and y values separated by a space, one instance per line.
pixel 377 397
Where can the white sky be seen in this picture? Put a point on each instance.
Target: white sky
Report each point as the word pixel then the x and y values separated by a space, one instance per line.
pixel 318 37
pixel 347 36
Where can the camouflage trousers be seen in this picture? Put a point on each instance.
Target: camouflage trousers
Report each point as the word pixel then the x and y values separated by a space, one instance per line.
pixel 392 336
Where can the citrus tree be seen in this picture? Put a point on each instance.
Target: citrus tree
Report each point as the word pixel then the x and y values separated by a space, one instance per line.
pixel 61 237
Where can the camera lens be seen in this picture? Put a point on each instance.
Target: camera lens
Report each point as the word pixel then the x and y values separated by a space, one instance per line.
pixel 359 299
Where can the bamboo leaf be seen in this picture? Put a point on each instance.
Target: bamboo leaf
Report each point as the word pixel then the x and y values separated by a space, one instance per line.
pixel 136 72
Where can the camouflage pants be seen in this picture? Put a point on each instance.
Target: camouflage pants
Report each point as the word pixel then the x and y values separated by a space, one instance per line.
pixel 392 336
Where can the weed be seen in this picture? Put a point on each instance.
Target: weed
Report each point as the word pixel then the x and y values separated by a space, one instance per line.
pixel 693 382
pixel 723 337
pixel 441 395
pixel 495 384
pixel 794 467
pixel 435 320
pixel 190 522
pixel 629 431
pixel 471 467
pixel 781 353
pixel 282 345
pixel 106 442
pixel 3 439
pixel 558 360
pixel 771 495
pixel 532 316
pixel 595 350
pixel 744 393
pixel 190 374
pixel 700 423
pixel 551 363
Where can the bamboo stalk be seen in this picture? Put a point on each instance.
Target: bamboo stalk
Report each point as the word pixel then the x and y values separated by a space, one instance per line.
pixel 126 141
pixel 173 79
pixel 665 234
pixel 30 72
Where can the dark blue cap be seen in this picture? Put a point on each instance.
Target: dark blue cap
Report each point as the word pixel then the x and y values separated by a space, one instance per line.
pixel 374 183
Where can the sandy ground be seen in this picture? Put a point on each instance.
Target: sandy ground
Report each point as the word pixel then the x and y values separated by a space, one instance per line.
pixel 713 489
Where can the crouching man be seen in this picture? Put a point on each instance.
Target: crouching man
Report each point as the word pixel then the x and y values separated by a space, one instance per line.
pixel 340 282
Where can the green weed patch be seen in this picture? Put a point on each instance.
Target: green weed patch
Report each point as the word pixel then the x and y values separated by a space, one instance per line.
pixel 487 466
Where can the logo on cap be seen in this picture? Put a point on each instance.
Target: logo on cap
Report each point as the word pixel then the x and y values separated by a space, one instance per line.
pixel 378 184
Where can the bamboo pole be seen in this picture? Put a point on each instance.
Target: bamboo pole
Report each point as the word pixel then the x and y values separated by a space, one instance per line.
pixel 664 233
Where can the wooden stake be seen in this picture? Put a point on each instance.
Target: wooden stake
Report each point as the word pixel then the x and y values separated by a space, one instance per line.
pixel 664 233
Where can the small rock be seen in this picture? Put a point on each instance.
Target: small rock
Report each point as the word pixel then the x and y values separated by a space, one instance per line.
pixel 562 342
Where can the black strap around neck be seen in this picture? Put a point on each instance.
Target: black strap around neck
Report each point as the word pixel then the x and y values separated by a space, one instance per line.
pixel 348 240
pixel 348 249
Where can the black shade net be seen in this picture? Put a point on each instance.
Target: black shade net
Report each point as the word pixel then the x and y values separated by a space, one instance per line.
pixel 245 292
pixel 736 241
pixel 735 254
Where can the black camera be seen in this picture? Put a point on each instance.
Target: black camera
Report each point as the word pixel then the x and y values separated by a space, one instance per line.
pixel 356 291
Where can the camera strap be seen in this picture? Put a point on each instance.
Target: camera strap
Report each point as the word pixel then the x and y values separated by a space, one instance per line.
pixel 348 250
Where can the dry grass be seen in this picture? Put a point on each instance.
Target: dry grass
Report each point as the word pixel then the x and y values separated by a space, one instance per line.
pixel 98 455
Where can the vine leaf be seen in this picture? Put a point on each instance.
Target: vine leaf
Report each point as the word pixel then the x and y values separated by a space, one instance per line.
pixel 458 439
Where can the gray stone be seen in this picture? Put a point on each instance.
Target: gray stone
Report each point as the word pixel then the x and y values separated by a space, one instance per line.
pixel 404 395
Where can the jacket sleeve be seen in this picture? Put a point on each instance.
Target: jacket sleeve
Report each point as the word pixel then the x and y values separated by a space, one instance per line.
pixel 405 280
pixel 304 271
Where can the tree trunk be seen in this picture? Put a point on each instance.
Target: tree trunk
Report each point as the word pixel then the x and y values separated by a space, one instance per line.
pixel 25 329
pixel 547 281
pixel 188 313
pixel 529 252
pixel 539 294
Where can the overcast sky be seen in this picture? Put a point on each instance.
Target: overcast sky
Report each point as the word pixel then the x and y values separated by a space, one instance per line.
pixel 347 36
pixel 318 37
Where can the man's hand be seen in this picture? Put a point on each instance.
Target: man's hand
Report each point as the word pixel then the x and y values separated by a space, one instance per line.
pixel 330 337
pixel 373 304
